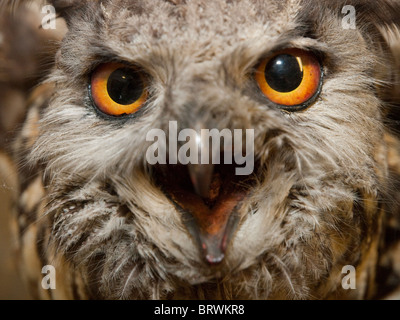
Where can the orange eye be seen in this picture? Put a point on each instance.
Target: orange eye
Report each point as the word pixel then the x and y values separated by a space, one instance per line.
pixel 118 89
pixel 291 79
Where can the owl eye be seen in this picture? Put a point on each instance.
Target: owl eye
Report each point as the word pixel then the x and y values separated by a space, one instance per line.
pixel 291 78
pixel 118 89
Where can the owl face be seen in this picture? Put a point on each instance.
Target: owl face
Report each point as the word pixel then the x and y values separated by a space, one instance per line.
pixel 287 70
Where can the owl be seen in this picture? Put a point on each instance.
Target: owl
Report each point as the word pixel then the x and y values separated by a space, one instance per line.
pixel 136 128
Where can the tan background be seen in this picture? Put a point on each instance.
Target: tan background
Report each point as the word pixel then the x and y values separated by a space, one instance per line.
pixel 26 53
pixel 11 286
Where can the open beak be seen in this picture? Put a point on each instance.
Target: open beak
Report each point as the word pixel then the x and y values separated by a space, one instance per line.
pixel 209 198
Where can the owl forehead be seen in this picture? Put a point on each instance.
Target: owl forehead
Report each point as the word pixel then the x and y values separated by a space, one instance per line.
pixel 198 27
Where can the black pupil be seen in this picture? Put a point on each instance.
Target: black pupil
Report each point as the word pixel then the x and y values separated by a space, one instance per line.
pixel 125 86
pixel 284 73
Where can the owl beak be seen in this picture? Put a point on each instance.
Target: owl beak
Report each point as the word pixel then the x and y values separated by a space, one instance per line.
pixel 209 198
pixel 201 176
pixel 213 220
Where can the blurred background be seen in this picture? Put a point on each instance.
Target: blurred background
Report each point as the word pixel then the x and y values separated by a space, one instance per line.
pixel 11 286
pixel 27 51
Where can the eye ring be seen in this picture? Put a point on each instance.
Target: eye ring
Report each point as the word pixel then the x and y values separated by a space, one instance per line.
pixel 118 89
pixel 291 79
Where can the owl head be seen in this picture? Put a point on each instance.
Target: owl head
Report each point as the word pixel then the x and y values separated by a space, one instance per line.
pixel 296 90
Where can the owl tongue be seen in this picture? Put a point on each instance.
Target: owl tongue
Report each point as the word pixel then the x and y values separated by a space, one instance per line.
pixel 209 201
